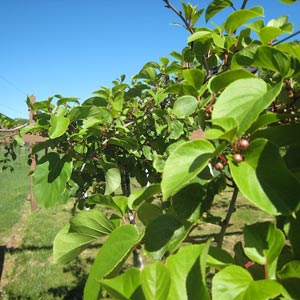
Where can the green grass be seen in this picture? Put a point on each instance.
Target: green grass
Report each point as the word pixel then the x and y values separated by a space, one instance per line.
pixel 14 188
pixel 32 274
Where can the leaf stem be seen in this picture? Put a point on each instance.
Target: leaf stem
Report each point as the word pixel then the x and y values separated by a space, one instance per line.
pixel 225 223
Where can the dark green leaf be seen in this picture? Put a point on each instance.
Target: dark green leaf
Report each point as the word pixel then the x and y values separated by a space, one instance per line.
pixel 164 234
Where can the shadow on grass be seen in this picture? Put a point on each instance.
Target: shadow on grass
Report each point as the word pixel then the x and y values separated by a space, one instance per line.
pixel 71 289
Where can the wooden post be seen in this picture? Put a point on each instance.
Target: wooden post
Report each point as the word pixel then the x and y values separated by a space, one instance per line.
pixel 33 160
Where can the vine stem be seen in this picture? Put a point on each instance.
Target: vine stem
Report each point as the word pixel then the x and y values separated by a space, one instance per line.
pixel 231 208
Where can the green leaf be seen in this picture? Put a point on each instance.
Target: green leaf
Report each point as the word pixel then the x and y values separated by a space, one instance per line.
pixel 142 195
pixel 290 270
pixel 288 1
pixel 112 180
pixel 265 119
pixel 103 116
pixel 84 228
pixel 219 82
pixel 185 106
pixel 194 77
pixel 58 126
pixel 164 234
pixel 219 258
pixel 129 143
pixel 269 184
pixel 263 244
pixel 234 282
pixel 92 223
pixel 67 246
pixel 125 286
pixel 267 57
pixel 244 100
pixel 187 202
pixel 215 7
pixel 200 36
pixel 117 202
pixel 280 135
pixel 289 277
pixel 50 178
pixel 147 212
pixel 175 129
pixel 230 283
pixel 223 128
pixel 184 164
pixel 155 280
pixel 109 258
pixel 239 17
pixel 188 273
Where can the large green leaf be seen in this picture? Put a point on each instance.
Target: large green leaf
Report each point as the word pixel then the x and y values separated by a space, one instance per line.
pixel 267 57
pixel 234 282
pixel 280 135
pixel 239 17
pixel 156 281
pixel 164 234
pixel 185 106
pixel 67 246
pixel 92 223
pixel 84 228
pixel 187 202
pixel 116 248
pixel 58 126
pixel 184 164
pixel 263 244
pixel 244 100
pixel 50 178
pixel 269 184
pixel 219 82
pixel 125 286
pixel 188 273
pixel 216 6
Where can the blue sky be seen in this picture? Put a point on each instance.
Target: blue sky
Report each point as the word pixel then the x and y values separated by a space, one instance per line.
pixel 72 47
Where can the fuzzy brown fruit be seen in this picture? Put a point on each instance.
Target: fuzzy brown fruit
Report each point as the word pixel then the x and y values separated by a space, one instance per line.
pixel 237 157
pixel 219 166
pixel 244 144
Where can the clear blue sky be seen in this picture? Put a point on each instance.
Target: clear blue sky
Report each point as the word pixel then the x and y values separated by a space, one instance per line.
pixel 72 47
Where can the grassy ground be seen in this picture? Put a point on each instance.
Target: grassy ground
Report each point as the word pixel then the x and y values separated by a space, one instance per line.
pixel 14 188
pixel 26 242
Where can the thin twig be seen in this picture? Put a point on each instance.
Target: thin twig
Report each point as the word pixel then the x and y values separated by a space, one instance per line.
pixel 287 38
pixel 225 224
pixel 244 4
pixel 179 14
